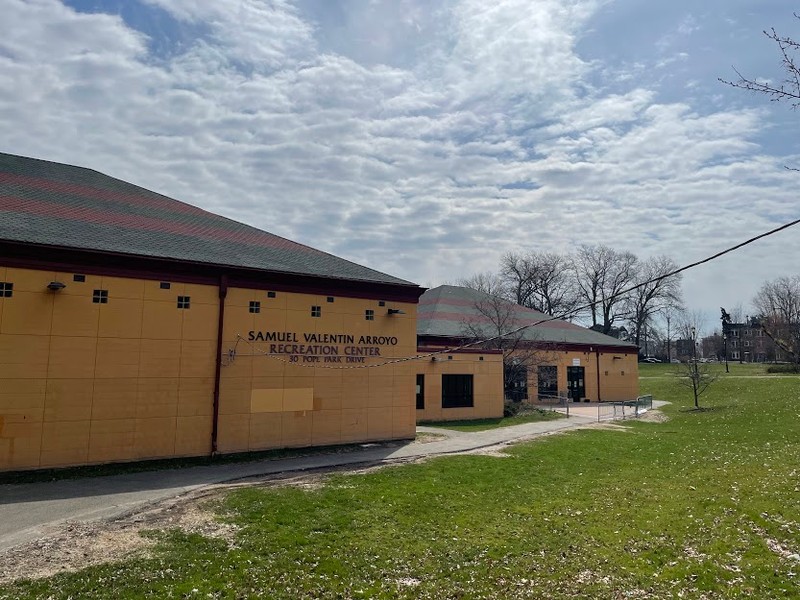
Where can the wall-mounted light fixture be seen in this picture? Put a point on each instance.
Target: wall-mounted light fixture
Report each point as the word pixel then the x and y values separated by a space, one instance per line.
pixel 55 286
pixel 396 311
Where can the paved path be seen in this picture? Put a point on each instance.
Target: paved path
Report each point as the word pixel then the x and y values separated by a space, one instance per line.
pixel 28 510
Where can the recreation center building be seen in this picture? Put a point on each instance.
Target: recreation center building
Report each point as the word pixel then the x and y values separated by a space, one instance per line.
pixel 134 326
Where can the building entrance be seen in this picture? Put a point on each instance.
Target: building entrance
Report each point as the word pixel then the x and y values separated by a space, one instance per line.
pixel 576 383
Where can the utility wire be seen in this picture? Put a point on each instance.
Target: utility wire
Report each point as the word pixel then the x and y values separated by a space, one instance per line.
pixel 522 328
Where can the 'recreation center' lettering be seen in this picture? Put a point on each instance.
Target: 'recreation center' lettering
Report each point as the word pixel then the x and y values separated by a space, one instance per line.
pixel 322 347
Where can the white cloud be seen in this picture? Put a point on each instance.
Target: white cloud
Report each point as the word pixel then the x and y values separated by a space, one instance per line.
pixel 490 139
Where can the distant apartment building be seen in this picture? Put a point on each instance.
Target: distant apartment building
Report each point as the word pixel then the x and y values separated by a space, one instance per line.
pixel 748 342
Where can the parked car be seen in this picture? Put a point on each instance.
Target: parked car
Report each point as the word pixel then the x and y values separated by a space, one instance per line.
pixel 650 359
pixel 675 361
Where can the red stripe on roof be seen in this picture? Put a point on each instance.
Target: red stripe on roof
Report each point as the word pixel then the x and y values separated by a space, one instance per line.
pixel 75 213
pixel 98 194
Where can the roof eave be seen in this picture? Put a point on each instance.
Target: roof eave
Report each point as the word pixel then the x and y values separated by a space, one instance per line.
pixel 41 256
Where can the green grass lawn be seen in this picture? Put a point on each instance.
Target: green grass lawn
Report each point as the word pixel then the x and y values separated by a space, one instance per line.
pixel 532 416
pixel 737 369
pixel 705 505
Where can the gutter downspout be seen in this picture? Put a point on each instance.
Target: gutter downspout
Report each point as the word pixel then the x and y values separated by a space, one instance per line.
pixel 597 360
pixel 223 292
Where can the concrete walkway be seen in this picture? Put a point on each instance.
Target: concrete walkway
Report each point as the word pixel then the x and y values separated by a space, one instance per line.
pixel 28 511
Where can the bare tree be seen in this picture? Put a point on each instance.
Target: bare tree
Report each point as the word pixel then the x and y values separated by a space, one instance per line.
pixel 540 280
pixel 487 283
pixel 789 88
pixel 659 292
pixel 778 303
pixel 517 274
pixel 670 311
pixel 693 374
pixel 602 274
pixel 736 313
pixel 494 322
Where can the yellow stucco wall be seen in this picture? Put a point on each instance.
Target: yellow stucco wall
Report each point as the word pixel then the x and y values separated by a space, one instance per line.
pixel 619 374
pixel 82 382
pixel 320 403
pixel 487 372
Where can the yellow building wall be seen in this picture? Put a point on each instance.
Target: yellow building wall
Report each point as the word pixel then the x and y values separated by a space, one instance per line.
pixel 619 374
pixel 267 401
pixel 487 371
pixel 133 378
pixel 84 382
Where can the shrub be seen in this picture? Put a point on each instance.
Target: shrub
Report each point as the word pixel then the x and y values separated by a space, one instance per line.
pixel 511 408
pixel 785 368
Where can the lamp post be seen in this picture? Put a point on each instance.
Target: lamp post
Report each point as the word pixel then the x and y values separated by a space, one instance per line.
pixel 725 349
pixel 726 322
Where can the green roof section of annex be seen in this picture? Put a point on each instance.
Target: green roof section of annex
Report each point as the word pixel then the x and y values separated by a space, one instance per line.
pixel 452 312
pixel 53 204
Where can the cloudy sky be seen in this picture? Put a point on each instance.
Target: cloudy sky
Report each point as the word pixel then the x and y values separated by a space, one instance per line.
pixel 426 137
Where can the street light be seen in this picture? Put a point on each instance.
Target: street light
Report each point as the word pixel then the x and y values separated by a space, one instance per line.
pixel 726 323
pixel 725 348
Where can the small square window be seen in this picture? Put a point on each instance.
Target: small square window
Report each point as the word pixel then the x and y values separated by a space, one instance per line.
pixel 381 303
pixel 255 307
pixel 369 314
pixel 183 301
pixel 165 285
pixel 450 357
pixel 480 358
pixel 100 296
pixel 271 294
pixel 330 298
pixel 316 311
pixel 6 289
pixel 79 278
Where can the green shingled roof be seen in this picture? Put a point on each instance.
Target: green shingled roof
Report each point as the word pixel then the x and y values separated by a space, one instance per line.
pixel 59 205
pixel 446 311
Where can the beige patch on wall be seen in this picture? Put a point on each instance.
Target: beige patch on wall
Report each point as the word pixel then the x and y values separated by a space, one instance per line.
pixel 281 400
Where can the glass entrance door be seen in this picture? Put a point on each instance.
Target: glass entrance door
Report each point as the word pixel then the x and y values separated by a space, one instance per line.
pixel 576 383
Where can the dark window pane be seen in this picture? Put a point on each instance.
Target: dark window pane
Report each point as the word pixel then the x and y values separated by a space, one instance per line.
pixel 548 380
pixel 457 391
